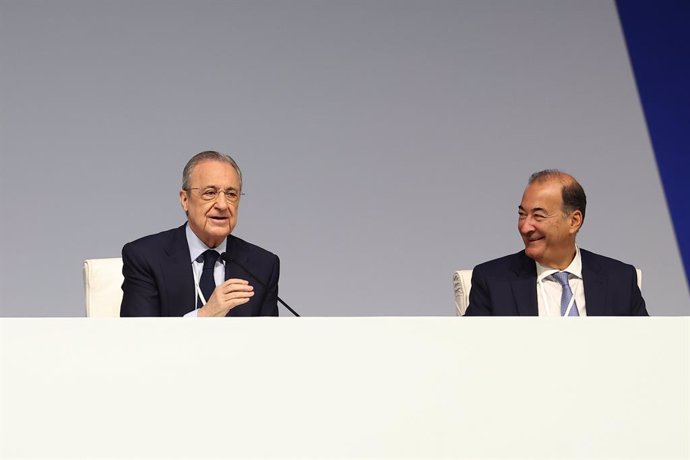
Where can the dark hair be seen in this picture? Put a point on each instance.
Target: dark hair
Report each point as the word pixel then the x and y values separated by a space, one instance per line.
pixel 574 198
pixel 204 156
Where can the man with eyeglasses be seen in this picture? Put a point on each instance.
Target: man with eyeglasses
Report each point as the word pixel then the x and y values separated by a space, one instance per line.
pixel 552 276
pixel 180 272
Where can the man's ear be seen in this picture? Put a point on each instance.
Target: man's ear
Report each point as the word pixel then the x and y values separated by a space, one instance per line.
pixel 575 221
pixel 184 201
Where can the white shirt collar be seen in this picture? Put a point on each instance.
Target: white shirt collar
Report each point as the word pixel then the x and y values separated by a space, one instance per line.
pixel 197 247
pixel 575 267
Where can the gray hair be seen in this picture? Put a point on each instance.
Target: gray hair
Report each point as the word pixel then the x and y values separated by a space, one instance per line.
pixel 208 155
pixel 574 198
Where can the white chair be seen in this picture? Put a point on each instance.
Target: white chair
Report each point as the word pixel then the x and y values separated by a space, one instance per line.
pixel 102 287
pixel 462 283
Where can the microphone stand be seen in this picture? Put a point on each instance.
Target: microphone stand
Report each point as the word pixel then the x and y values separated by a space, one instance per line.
pixel 227 258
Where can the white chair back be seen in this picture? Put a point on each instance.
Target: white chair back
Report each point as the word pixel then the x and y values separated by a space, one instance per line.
pixel 102 287
pixel 462 283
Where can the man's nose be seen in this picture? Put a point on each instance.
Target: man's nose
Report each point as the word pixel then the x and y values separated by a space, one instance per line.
pixel 221 202
pixel 525 225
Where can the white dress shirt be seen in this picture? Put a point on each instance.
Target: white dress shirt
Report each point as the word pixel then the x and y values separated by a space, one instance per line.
pixel 196 248
pixel 549 290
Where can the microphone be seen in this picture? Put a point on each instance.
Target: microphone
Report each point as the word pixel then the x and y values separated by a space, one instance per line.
pixel 228 259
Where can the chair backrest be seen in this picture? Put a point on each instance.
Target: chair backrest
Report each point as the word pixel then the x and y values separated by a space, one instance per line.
pixel 102 287
pixel 462 283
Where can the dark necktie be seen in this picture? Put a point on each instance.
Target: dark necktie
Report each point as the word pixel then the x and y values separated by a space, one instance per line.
pixel 207 283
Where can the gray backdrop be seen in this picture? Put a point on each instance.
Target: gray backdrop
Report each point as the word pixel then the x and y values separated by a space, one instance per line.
pixel 384 144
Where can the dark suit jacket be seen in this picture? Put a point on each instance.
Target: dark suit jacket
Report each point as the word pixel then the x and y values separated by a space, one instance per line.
pixel 508 287
pixel 159 280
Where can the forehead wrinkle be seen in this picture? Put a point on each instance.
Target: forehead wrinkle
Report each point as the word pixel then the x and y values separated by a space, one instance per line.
pixel 211 170
pixel 220 188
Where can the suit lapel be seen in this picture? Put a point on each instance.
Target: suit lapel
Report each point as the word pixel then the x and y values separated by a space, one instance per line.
pixel 233 270
pixel 595 283
pixel 178 273
pixel 525 286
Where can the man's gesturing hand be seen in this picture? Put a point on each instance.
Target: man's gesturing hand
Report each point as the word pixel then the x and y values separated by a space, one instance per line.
pixel 227 296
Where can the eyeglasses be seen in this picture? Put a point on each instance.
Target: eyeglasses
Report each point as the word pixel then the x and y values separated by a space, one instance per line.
pixel 211 194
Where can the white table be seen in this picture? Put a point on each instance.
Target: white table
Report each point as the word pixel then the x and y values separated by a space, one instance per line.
pixel 345 388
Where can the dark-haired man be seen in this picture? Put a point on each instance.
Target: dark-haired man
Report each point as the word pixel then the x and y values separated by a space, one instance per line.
pixel 179 272
pixel 552 276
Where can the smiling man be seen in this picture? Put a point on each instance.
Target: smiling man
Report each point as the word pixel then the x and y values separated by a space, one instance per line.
pixel 180 272
pixel 553 276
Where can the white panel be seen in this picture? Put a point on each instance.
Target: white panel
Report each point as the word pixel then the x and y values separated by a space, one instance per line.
pixel 345 388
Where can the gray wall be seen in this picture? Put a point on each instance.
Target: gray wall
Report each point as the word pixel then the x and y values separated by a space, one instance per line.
pixel 384 143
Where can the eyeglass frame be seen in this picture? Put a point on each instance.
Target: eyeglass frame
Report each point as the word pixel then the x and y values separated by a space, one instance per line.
pixel 216 193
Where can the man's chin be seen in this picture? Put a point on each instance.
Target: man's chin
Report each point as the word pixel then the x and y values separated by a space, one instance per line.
pixel 217 233
pixel 219 227
pixel 533 253
pixel 221 232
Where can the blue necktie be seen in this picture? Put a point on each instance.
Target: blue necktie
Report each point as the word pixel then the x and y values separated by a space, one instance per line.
pixel 562 278
pixel 207 283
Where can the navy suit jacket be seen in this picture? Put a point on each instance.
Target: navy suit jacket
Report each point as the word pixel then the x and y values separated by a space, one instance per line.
pixel 159 279
pixel 508 287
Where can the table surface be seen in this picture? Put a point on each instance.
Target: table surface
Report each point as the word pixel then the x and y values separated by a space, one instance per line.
pixel 345 388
